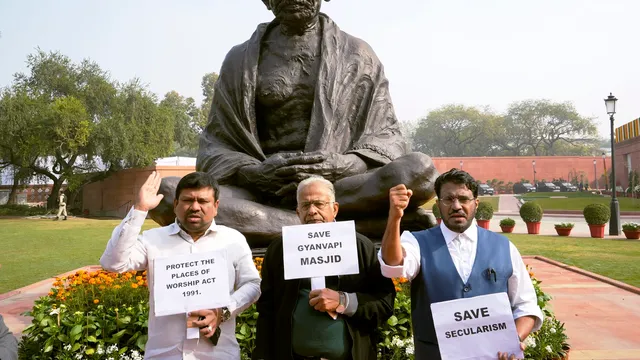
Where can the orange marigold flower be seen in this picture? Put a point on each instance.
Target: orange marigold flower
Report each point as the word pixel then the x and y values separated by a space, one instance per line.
pixel 134 285
pixel 138 278
pixel 95 301
pixel 116 286
pixel 51 293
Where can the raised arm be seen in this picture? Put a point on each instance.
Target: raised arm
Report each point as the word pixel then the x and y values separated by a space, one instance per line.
pixel 125 250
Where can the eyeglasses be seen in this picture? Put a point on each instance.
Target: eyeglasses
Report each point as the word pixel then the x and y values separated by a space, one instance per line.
pixel 319 204
pixel 461 201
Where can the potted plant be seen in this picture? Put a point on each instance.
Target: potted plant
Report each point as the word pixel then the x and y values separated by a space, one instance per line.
pixel 436 212
pixel 596 215
pixel 631 230
pixel 531 214
pixel 484 213
pixel 507 225
pixel 564 229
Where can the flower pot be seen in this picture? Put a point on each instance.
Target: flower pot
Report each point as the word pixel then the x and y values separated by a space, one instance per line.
pixel 563 231
pixel 597 231
pixel 632 234
pixel 533 227
pixel 483 223
pixel 507 229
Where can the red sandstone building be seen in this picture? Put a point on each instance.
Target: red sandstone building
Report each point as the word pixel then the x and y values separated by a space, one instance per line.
pixel 627 145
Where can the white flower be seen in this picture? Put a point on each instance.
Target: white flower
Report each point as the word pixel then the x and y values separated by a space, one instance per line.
pixel 55 311
pixel 553 330
pixel 409 350
pixel 135 355
pixel 99 350
pixel 67 347
pixel 112 348
pixel 78 356
pixel 548 348
pixel 397 342
pixel 530 342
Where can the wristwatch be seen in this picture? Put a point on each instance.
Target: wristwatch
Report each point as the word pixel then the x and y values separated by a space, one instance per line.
pixel 226 314
pixel 342 305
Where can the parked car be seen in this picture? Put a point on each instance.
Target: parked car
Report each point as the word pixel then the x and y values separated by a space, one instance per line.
pixel 548 187
pixel 523 188
pixel 566 187
pixel 484 189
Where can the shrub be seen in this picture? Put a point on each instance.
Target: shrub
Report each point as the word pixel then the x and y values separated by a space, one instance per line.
pixel 98 314
pixel 631 226
pixel 564 225
pixel 101 315
pixel 507 222
pixel 484 211
pixel 596 214
pixel 531 211
pixel 436 211
pixel 21 210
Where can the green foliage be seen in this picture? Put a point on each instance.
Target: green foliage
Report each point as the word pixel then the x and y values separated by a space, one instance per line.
pixel 484 211
pixel 564 225
pixel 631 226
pixel 99 315
pixel 596 214
pixel 21 210
pixel 396 339
pixel 531 212
pixel 436 211
pixel 530 127
pixel 507 222
pixel 70 122
pixel 246 331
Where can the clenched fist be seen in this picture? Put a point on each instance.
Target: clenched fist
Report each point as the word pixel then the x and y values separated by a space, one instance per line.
pixel 399 197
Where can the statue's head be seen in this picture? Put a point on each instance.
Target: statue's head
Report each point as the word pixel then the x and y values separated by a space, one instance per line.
pixel 316 201
pixel 294 10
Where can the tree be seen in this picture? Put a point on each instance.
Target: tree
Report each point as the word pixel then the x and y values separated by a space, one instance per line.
pixel 457 130
pixel 185 116
pixel 208 89
pixel 70 123
pixel 541 127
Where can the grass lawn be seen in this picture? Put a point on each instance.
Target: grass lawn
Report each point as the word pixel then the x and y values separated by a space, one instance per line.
pixel 493 200
pixel 577 201
pixel 33 250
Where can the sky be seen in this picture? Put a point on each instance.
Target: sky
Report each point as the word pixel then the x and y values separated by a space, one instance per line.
pixel 476 53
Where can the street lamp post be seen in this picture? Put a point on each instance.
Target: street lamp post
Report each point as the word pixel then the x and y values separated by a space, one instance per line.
pixel 595 174
pixel 461 164
pixel 614 222
pixel 604 163
pixel 533 162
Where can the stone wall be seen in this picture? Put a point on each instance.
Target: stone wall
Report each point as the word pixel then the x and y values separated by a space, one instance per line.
pixel 115 195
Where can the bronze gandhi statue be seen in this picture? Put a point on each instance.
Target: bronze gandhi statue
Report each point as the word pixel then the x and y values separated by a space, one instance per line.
pixel 302 98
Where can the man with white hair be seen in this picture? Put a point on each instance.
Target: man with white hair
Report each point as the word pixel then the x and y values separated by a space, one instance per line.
pixel 292 321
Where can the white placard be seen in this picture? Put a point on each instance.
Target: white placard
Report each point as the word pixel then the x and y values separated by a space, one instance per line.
pixel 318 250
pixel 190 282
pixel 476 328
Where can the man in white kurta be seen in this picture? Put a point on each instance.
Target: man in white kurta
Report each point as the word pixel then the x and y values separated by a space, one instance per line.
pixel 193 231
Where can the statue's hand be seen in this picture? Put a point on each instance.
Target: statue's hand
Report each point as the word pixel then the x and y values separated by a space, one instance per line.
pixel 264 175
pixel 333 168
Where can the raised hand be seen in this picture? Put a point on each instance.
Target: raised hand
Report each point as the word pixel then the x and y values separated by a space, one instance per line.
pixel 399 197
pixel 148 197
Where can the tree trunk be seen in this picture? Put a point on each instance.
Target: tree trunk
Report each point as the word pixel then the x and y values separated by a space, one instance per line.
pixel 52 202
pixel 13 195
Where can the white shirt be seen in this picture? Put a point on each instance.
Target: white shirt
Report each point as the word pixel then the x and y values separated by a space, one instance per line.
pixel 462 248
pixel 129 250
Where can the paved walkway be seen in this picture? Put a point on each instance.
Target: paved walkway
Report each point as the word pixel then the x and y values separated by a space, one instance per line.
pixel 602 320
